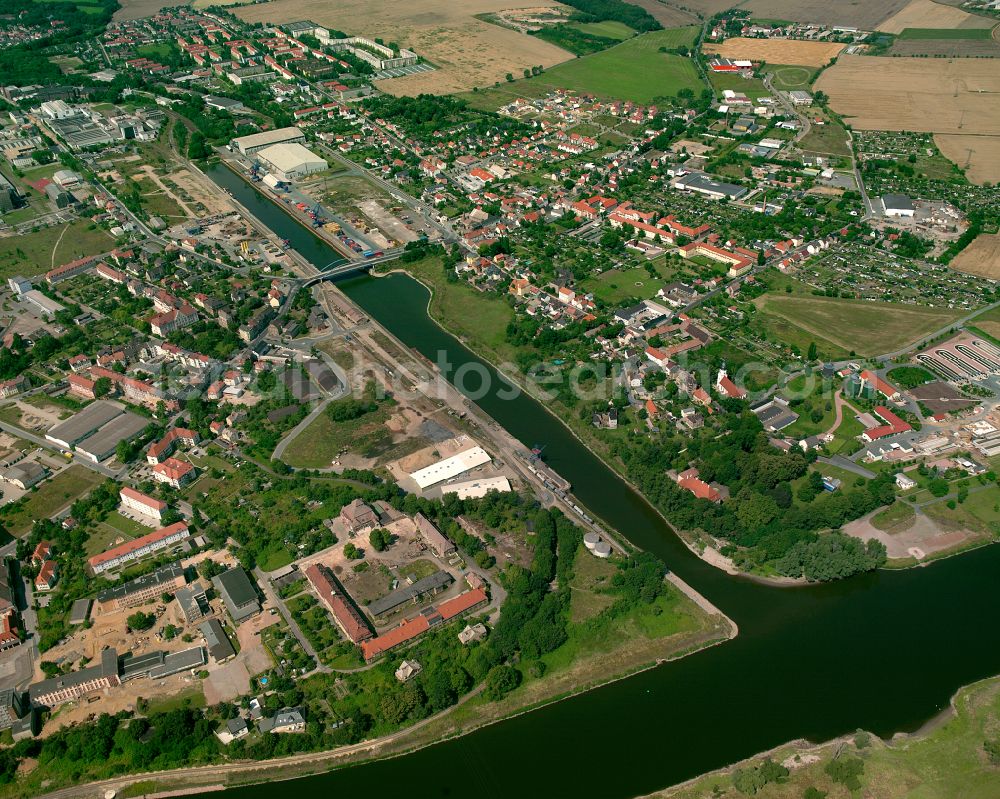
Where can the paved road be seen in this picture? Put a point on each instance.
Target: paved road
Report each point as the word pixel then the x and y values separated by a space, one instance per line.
pixel 286 614
pixel 847 465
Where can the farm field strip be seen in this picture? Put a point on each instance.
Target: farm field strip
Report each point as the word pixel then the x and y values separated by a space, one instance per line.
pixel 779 51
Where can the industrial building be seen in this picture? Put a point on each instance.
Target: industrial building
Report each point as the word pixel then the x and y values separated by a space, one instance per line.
pixel 85 423
pixel 249 145
pixel 10 197
pixel 476 489
pixel 102 444
pixel 450 467
pixel 432 584
pixel 713 189
pixel 897 205
pixel 288 161
pixel 44 305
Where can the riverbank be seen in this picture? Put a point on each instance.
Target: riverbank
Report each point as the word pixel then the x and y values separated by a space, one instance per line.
pixel 946 758
pixel 632 653
pixel 582 433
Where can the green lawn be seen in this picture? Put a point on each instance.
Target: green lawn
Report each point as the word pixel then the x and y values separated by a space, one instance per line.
pixel 633 70
pixel 63 489
pixel 827 139
pixel 614 286
pixel 865 328
pixel 609 29
pixel 32 253
pixel 946 33
pixel 478 319
pixel 894 519
pixel 751 87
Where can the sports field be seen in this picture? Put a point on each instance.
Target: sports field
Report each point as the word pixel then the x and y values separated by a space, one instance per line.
pixel 779 51
pixel 866 328
pixel 791 77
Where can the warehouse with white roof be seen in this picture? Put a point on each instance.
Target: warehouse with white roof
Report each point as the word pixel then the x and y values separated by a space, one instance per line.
pixel 288 161
pixel 248 145
pixel 450 467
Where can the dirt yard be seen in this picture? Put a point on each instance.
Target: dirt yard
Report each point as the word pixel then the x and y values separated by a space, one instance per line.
pixel 917 94
pixel 981 258
pixel 777 51
pixel 927 14
pixel 865 15
pixel 467 51
pixel 982 164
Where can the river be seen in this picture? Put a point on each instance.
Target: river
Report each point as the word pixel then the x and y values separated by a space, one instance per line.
pixel 884 651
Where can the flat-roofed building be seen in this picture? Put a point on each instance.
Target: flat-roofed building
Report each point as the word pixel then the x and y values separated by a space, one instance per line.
pixel 475 489
pixel 239 594
pixel 193 602
pixel 450 467
pixel 141 590
pixel 248 145
pixel 289 160
pixel 714 189
pixel 80 425
pixel 102 444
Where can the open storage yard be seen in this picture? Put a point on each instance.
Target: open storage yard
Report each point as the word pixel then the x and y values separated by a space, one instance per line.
pixel 927 14
pixel 777 51
pixel 466 51
pixel 936 95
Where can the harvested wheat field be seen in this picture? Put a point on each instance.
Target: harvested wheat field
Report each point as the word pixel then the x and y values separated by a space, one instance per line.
pixel 917 94
pixel 979 156
pixel 927 14
pixel 777 51
pixel 864 14
pixel 981 258
pixel 466 51
pixel 667 16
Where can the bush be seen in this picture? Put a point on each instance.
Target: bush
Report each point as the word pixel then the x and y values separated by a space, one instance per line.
pixel 500 681
pixel 140 621
pixel 847 771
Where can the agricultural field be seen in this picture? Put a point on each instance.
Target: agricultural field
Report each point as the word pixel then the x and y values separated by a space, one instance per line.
pixel 917 94
pixel 981 258
pixel 137 9
pixel 979 156
pixel 954 43
pixel 866 328
pixel 466 51
pixel 863 15
pixel 928 14
pixel 609 29
pixel 779 51
pixel 669 16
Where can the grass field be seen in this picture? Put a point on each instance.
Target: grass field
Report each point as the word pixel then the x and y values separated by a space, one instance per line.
pixel 897 517
pixel 62 490
pixel 478 319
pixel 633 70
pixel 35 253
pixel 865 328
pixel 949 761
pixel 945 33
pixel 615 285
pixel 827 139
pixel 609 29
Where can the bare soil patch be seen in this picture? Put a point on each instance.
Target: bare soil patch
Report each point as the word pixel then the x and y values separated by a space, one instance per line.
pixel 137 9
pixel 918 94
pixel 467 51
pixel 927 14
pixel 777 51
pixel 979 156
pixel 981 258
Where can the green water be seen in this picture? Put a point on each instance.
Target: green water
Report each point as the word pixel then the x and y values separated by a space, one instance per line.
pixel 884 651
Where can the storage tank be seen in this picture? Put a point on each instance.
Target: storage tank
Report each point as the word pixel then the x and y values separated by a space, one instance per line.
pixel 602 549
pixel 591 540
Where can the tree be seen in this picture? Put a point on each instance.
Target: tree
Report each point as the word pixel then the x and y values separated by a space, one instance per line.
pixel 812 354
pixel 379 539
pixel 500 681
pixel 847 771
pixel 140 621
pixel 102 386
pixel 938 487
pixel 510 77
pixel 351 552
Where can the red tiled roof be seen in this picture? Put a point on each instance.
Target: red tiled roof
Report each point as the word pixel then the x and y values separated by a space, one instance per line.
pixel 451 608
pixel 173 469
pixel 137 543
pixel 145 499
pixel 346 614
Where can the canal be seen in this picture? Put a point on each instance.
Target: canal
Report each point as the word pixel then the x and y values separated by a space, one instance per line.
pixel 883 651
